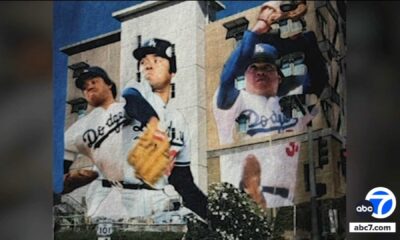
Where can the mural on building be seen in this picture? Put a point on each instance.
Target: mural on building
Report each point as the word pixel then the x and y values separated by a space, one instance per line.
pixel 106 135
pixel 102 133
pixel 277 173
pixel 110 131
pixel 157 64
pixel 233 111
pixel 273 67
pixel 278 62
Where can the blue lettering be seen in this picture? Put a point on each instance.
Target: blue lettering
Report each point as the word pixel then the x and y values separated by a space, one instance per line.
pixel 262 124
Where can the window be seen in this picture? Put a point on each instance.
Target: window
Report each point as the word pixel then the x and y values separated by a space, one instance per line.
pixel 138 76
pixel 236 28
pixel 139 43
pixel 79 106
pixel 324 27
pixel 335 97
pixel 240 83
pixel 306 172
pixel 293 64
pixel 242 121
pixel 296 113
pixel 339 123
pixel 173 133
pixel 172 90
pixel 326 109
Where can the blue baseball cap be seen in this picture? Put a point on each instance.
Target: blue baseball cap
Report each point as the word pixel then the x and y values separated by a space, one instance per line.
pixel 159 47
pixel 266 53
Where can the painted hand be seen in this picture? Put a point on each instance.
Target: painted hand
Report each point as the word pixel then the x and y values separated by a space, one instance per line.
pixel 269 13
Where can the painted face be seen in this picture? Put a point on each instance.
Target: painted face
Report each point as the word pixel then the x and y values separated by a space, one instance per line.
pixel 96 91
pixel 262 79
pixel 156 70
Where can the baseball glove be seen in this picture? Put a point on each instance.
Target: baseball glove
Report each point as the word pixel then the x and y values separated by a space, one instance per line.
pixel 297 12
pixel 150 155
pixel 78 178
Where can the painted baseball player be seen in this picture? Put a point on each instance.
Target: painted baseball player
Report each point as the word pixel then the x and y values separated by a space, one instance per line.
pixel 157 64
pixel 258 102
pixel 106 135
pixel 259 105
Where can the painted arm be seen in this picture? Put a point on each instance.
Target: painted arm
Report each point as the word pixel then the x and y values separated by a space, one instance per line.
pixel 234 67
pixel 193 198
pixel 78 177
pixel 137 107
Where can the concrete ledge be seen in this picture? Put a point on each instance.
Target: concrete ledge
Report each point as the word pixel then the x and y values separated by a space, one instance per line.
pixel 136 9
pixel 139 9
pixel 218 5
pixel 92 43
pixel 273 140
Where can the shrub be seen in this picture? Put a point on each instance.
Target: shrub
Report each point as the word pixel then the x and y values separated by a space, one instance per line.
pixel 232 215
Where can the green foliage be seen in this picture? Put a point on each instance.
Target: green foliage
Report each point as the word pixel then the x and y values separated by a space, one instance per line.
pixel 199 230
pixel 232 215
pixel 283 221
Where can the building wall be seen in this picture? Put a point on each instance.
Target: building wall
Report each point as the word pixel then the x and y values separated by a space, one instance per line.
pixel 199 64
pixel 218 49
pixel 181 23
pixel 330 174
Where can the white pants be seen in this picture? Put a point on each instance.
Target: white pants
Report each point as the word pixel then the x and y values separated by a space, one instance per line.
pixel 115 202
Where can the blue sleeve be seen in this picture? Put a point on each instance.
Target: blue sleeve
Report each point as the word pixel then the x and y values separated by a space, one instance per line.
pixel 235 66
pixel 193 198
pixel 137 107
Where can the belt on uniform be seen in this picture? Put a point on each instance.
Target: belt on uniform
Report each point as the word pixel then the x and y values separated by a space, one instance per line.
pixel 106 183
pixel 283 192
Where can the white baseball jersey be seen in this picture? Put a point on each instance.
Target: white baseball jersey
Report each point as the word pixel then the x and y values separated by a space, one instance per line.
pixel 278 162
pixel 103 136
pixel 171 120
pixel 264 117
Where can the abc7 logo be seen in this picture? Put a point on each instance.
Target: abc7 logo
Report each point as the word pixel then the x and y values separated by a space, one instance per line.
pixel 379 203
pixel 365 208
